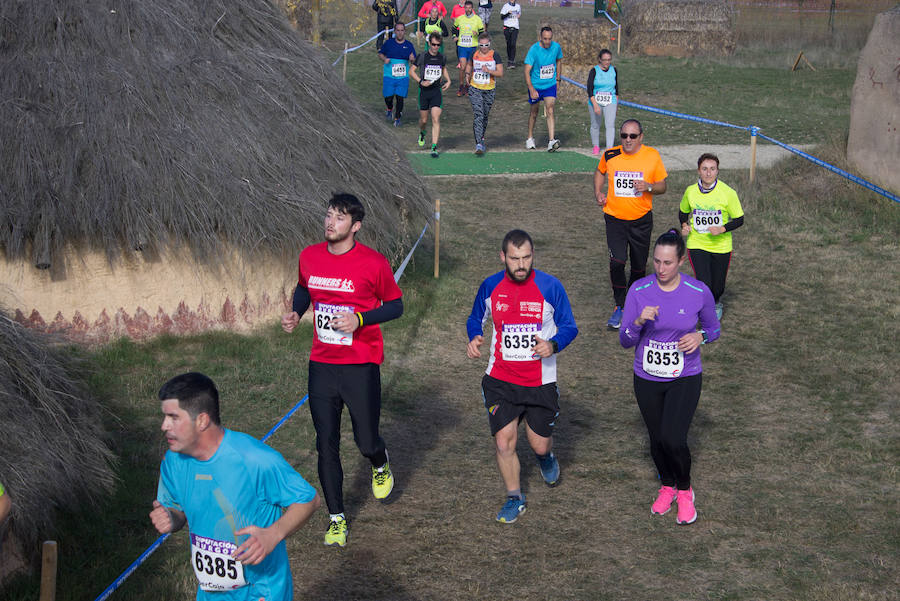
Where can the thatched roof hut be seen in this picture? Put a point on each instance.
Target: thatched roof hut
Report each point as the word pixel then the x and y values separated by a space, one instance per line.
pixel 52 454
pixel 679 27
pixel 165 161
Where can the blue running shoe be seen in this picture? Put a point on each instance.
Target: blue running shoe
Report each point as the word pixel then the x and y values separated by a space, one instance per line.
pixel 396 122
pixel 549 469
pixel 389 115
pixel 511 510
pixel 479 149
pixel 719 309
pixel 615 320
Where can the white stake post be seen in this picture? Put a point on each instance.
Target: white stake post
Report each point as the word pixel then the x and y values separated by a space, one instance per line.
pixel 437 236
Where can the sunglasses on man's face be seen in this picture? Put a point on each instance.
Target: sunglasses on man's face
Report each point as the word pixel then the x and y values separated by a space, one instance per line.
pixel 632 136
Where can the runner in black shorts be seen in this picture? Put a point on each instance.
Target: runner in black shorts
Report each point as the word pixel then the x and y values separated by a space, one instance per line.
pixel 532 322
pixel 429 69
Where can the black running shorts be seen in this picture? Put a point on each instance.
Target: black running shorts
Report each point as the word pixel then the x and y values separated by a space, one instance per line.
pixel 504 402
pixel 430 97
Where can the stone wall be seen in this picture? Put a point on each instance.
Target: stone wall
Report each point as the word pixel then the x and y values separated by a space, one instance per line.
pixel 873 147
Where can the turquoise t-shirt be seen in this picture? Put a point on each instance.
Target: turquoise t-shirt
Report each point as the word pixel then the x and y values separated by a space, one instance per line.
pixel 543 64
pixel 605 81
pixel 246 483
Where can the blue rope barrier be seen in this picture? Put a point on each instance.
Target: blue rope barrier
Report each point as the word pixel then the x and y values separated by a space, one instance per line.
pixel 853 178
pixel 134 565
pixel 355 48
pixel 754 131
pixel 606 14
pixel 159 541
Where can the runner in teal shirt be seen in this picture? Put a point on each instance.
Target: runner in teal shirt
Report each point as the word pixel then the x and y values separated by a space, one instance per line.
pixel 238 496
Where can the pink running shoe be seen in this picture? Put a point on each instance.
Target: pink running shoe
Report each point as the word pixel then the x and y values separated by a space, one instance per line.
pixel 596 150
pixel 663 502
pixel 687 513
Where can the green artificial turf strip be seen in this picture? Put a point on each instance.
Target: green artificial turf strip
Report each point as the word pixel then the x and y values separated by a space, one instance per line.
pixel 535 161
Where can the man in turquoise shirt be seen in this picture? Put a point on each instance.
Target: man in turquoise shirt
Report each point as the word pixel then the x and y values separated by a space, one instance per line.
pixel 238 496
pixel 541 77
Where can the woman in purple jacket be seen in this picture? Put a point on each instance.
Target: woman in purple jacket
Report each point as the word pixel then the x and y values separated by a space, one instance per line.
pixel 660 321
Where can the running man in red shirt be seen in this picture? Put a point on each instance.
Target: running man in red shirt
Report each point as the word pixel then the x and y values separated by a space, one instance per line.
pixel 532 322
pixel 352 290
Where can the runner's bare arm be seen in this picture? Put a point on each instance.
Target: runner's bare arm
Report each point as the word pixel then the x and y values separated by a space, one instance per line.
pixel 263 540
pixel 600 187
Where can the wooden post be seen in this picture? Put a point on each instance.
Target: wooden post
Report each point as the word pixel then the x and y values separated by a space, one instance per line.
pixel 316 28
pixel 437 236
pixel 753 132
pixel 48 571
pixel 346 46
pixel 619 40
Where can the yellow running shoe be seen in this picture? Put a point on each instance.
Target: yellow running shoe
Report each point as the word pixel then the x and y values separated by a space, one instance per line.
pixel 382 481
pixel 336 533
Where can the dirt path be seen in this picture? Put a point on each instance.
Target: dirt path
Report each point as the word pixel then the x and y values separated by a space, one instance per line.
pixel 683 157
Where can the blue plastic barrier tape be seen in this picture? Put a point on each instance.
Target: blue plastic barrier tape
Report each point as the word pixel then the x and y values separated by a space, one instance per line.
pixel 355 48
pixel 137 562
pixel 606 14
pixel 153 547
pixel 652 109
pixel 853 178
pixel 755 131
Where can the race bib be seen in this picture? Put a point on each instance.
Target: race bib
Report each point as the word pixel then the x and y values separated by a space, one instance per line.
pixel 398 70
pixel 663 359
pixel 517 340
pixel 479 76
pixel 324 314
pixel 703 220
pixel 547 72
pixel 432 72
pixel 603 98
pixel 623 183
pixel 465 40
pixel 215 568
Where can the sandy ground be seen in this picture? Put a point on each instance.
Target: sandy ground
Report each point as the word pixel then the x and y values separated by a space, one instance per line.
pixel 683 157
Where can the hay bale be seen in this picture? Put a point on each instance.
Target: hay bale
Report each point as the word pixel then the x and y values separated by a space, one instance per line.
pixel 874 143
pixel 567 92
pixel 580 40
pixel 52 454
pixel 679 27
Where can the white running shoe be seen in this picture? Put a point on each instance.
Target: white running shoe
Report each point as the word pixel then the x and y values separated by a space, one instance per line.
pixel 553 145
pixel 529 144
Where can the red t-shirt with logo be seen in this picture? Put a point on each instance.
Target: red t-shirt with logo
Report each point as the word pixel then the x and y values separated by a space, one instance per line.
pixel 357 281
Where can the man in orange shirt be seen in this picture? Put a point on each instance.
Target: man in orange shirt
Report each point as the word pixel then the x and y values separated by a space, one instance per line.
pixel 626 179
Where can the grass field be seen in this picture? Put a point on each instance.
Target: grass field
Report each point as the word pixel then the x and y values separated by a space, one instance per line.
pixel 795 443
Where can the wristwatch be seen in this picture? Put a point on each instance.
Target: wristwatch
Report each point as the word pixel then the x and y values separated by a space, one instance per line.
pixel 650 188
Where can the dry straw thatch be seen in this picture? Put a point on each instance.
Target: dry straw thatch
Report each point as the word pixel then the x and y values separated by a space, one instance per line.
pixel 679 27
pixel 52 454
pixel 580 40
pixel 182 124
